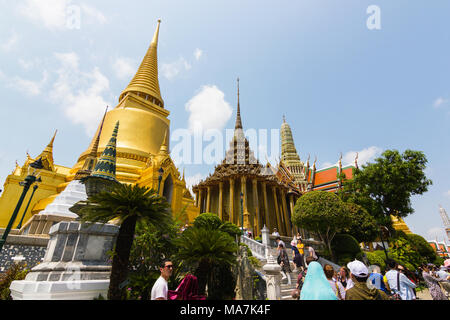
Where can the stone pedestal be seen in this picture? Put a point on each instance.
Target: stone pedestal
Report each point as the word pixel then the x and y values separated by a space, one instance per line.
pixel 76 264
pixel 265 239
pixel 273 279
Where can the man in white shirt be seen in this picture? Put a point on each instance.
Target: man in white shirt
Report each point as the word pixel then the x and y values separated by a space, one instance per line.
pixel 160 288
pixel 406 285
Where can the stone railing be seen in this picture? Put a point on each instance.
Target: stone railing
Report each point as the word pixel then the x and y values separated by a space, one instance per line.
pixel 259 250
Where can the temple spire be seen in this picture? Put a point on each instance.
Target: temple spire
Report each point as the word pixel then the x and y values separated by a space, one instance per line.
pixel 47 154
pixel 238 113
pixel 145 83
pixel 106 165
pixel 91 159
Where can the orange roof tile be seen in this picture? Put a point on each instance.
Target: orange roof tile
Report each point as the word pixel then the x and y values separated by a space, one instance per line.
pixel 326 176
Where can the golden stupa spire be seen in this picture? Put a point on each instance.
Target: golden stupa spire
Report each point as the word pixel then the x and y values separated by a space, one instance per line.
pixel 145 83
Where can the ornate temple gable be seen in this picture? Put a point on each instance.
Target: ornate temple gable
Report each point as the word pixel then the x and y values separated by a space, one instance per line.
pixel 239 161
pixel 47 155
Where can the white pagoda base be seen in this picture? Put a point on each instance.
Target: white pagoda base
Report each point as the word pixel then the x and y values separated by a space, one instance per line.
pixel 59 290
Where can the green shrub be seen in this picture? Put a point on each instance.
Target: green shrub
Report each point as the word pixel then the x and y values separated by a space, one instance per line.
pixel 422 246
pixel 208 221
pixel 345 244
pixel 15 272
pixel 377 257
pixel 255 262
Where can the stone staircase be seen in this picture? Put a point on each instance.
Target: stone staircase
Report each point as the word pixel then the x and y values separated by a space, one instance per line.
pixel 286 289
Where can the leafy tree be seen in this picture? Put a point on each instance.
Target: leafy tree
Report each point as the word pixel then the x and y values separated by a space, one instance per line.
pixel 404 253
pixel 363 226
pixel 322 212
pixel 151 245
pixel 129 204
pixel 384 188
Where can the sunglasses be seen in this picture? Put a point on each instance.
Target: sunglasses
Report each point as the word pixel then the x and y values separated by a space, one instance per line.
pixel 170 266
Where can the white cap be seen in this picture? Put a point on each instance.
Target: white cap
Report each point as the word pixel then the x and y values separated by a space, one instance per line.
pixel 358 269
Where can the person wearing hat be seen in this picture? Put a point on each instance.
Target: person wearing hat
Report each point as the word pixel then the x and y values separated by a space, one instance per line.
pixel 360 291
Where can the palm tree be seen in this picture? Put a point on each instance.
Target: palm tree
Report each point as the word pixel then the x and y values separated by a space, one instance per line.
pixel 206 248
pixel 128 204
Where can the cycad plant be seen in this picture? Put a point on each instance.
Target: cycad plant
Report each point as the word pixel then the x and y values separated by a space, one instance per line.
pixel 128 204
pixel 204 249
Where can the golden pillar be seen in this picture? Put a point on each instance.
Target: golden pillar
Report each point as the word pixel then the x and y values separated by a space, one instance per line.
pixel 245 209
pixel 257 212
pixel 232 215
pixel 201 201
pixel 208 199
pixel 266 207
pixel 277 211
pixel 196 198
pixel 286 213
pixel 220 200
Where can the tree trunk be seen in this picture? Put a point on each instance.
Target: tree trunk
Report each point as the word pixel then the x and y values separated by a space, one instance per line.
pixel 119 271
pixel 202 275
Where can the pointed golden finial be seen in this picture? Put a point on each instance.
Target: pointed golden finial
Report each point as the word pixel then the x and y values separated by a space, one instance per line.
pixel 49 147
pixel 145 83
pixel 165 144
pixel 314 164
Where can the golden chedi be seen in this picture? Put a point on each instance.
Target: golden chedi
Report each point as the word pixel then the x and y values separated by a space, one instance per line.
pixel 142 145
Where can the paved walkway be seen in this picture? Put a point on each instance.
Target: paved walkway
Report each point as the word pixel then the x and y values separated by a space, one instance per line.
pixel 424 295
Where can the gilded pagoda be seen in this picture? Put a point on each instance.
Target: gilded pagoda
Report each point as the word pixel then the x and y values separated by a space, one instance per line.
pixel 142 150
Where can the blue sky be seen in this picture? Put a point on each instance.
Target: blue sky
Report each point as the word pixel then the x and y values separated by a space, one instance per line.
pixel 343 88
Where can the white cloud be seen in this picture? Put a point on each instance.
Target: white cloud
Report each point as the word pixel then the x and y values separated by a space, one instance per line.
pixel 28 86
pixel 364 156
pixel 171 70
pixel 439 102
pixel 447 193
pixel 80 94
pixel 59 14
pixel 198 53
pixel 49 13
pixel 94 13
pixel 435 233
pixel 11 42
pixel 193 180
pixel 208 109
pixel 124 68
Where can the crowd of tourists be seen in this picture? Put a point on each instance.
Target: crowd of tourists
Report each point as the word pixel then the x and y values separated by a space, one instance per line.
pixel 356 281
